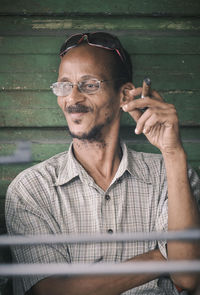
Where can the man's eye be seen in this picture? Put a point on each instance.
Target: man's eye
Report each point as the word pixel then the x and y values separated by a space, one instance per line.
pixel 91 85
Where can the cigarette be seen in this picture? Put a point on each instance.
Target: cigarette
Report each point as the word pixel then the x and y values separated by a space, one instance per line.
pixel 146 86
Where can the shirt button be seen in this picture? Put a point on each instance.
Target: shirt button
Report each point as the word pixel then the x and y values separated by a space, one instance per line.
pixel 110 231
pixel 107 197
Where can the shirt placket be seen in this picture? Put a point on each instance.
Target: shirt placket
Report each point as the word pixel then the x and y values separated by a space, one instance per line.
pixel 109 225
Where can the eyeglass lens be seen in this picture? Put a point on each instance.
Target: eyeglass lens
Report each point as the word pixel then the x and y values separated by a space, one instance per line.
pixel 65 88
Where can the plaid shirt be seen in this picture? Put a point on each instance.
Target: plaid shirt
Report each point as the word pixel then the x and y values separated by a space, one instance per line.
pixel 58 196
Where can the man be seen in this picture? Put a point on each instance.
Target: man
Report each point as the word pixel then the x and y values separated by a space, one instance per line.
pixel 99 185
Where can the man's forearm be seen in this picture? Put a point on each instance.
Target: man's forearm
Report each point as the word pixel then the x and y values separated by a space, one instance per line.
pixel 98 285
pixel 182 212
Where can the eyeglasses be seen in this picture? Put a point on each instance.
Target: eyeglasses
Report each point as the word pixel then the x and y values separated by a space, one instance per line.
pixel 90 86
pixel 99 39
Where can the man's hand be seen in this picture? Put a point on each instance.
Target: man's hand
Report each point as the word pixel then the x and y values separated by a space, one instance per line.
pixel 159 122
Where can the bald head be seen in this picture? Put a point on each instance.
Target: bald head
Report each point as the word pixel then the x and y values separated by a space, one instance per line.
pixel 107 61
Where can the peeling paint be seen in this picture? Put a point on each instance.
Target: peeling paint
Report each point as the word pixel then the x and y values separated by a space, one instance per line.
pixel 69 24
pixel 102 23
pixel 19 88
pixel 180 92
pixel 97 26
pixel 52 24
pixel 179 26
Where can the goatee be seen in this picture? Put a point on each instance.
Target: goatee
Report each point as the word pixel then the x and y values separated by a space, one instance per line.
pixel 93 135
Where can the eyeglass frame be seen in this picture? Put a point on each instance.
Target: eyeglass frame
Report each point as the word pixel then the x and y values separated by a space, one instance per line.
pixel 79 85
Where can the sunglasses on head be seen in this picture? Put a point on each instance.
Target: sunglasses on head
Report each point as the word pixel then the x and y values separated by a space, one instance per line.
pixel 98 39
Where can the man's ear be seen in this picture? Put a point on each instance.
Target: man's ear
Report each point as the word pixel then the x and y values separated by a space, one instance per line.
pixel 126 93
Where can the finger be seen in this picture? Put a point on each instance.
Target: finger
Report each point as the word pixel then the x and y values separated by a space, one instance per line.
pixel 155 95
pixel 153 116
pixel 130 95
pixel 136 114
pixel 143 103
pixel 141 121
pixel 138 91
pixel 151 124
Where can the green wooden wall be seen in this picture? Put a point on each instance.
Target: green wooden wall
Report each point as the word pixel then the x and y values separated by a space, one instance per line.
pixel 163 38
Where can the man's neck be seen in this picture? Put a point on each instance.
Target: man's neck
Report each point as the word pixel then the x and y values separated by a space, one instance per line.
pixel 100 159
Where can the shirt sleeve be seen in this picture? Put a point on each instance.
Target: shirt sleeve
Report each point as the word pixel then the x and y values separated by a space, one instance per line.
pixel 162 213
pixel 24 216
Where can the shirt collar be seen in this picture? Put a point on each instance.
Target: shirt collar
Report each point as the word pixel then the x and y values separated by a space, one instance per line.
pixel 71 168
pixel 131 161
pixel 68 169
pixel 134 163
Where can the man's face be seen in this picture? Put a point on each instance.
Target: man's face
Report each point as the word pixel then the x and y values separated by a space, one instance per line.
pixel 89 116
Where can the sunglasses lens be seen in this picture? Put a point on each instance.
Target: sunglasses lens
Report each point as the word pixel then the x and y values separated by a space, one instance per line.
pixel 107 41
pixel 103 39
pixel 100 39
pixel 71 42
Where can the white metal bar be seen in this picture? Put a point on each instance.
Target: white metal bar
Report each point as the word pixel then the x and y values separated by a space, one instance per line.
pixel 101 268
pixel 6 240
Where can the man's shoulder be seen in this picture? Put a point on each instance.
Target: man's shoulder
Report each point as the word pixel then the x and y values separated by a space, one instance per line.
pixel 147 166
pixel 145 157
pixel 45 170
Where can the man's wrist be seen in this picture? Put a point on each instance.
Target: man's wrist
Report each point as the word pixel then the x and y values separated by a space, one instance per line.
pixel 175 155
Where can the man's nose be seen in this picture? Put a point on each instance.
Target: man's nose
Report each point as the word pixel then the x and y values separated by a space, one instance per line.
pixel 75 96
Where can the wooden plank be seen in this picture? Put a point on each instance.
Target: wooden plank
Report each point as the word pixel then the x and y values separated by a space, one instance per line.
pixel 28 117
pixel 41 135
pixel 29 63
pixel 167 64
pixel 61 135
pixel 37 109
pixel 27 81
pixel 121 25
pixel 129 7
pixel 40 151
pixel 8 173
pixel 29 99
pixel 149 44
pixel 162 80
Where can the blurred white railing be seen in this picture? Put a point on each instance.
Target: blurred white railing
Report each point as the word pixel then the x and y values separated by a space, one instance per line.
pixel 100 268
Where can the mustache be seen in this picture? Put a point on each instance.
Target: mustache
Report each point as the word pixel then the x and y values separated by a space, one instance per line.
pixel 79 108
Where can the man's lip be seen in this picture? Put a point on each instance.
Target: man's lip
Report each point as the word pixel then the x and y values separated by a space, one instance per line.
pixel 76 115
